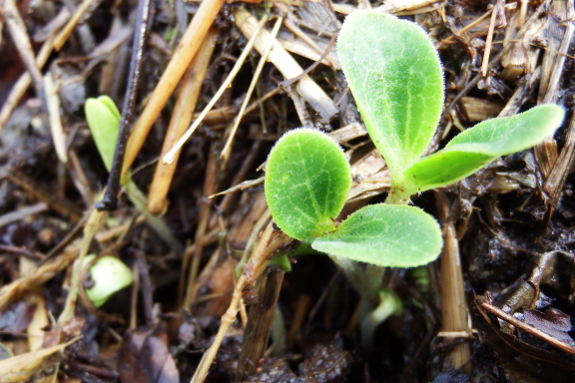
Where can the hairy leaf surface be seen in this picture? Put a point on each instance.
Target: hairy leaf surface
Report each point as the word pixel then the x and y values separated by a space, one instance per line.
pixel 479 146
pixel 385 235
pixel 307 180
pixel 395 76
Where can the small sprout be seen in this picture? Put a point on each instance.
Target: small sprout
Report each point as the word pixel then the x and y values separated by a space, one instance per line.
pixel 389 304
pixel 109 275
pixel 104 121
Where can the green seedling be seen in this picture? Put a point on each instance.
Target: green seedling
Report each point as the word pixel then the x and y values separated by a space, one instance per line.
pixel 395 76
pixel 109 275
pixel 104 122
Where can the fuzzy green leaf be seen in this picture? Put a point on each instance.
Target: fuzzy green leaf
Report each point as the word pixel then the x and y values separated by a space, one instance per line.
pixel 395 76
pixel 307 180
pixel 482 144
pixel 104 121
pixel 385 235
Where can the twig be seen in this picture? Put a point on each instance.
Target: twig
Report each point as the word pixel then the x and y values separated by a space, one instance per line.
pixel 170 156
pixel 204 216
pixel 89 231
pixel 556 179
pixel 552 87
pixel 497 8
pixel 110 200
pixel 181 117
pixel 183 55
pixel 80 11
pixel 270 241
pixel 453 305
pixel 287 65
pixel 19 88
pixel 147 292
pixel 134 297
pixel 401 6
pixel 263 59
pixel 546 152
pixel 19 35
pixel 324 55
pixel 496 59
pixel 53 105
pixel 64 207
pixel 22 213
pixel 253 152
pixel 527 328
pixel 38 276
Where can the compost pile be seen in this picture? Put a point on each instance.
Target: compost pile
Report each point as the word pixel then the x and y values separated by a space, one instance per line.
pixel 204 302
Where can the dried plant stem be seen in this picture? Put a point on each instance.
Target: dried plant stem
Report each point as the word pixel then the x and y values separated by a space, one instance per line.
pixel 270 241
pixel 110 200
pixel 23 83
pixel 489 39
pixel 531 330
pixel 23 367
pixel 134 297
pixel 225 205
pixel 209 239
pixel 17 30
pixel 53 104
pixel 39 275
pixel 180 61
pixel 67 31
pixel 89 232
pixel 556 179
pixel 22 213
pixel 209 188
pixel 522 13
pixel 309 41
pixel 263 59
pixel 552 88
pixel 61 206
pixel 546 152
pixel 406 6
pixel 226 113
pixel 170 156
pixel 473 82
pixel 181 117
pixel 287 65
pixel 453 304
pixel 479 20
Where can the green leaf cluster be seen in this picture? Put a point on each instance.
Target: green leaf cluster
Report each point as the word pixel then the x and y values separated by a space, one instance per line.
pixel 307 181
pixel 395 76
